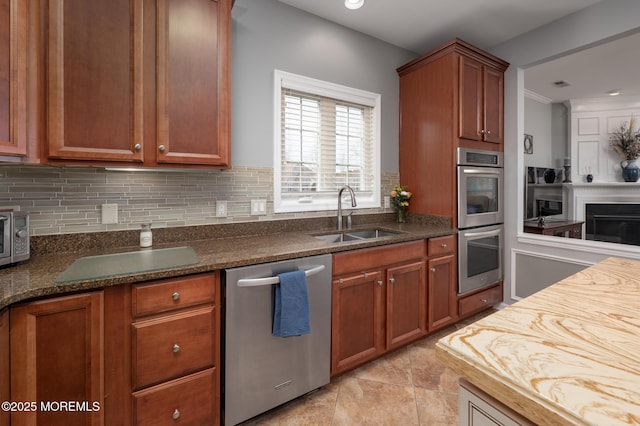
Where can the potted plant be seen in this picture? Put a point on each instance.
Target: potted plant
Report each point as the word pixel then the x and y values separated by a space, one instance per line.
pixel 626 142
pixel 400 199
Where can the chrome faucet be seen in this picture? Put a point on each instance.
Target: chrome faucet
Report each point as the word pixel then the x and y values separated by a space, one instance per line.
pixel 353 204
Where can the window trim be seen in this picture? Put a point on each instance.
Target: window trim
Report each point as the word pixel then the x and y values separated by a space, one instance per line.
pixel 313 86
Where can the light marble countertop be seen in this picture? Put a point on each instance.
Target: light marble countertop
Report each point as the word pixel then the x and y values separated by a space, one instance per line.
pixel 567 355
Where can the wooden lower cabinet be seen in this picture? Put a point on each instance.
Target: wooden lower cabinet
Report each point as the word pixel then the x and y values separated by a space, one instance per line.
pixel 5 377
pixel 406 310
pixel 175 351
pixel 57 356
pixel 442 282
pixel 479 301
pixel 357 333
pixel 142 354
pixel 185 401
pixel 376 308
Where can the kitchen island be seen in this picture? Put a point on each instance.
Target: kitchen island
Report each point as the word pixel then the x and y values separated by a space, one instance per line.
pixel 567 355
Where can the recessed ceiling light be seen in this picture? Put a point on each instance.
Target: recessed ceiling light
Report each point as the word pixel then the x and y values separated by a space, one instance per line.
pixel 613 92
pixel 353 4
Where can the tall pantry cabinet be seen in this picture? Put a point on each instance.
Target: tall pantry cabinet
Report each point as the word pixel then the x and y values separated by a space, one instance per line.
pixel 450 97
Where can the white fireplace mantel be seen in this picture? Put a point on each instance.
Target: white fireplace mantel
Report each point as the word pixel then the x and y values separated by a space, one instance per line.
pixel 582 194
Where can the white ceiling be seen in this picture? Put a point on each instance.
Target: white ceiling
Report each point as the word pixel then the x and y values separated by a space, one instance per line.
pixel 421 25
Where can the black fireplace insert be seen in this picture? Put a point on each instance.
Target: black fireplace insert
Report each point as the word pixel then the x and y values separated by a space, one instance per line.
pixel 616 223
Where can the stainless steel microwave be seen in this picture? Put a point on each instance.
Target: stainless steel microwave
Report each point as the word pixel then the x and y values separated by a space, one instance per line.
pixel 14 244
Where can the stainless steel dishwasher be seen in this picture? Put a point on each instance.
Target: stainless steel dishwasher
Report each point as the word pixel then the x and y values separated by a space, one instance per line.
pixel 262 371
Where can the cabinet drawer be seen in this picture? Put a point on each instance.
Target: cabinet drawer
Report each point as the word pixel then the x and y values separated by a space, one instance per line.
pixel 360 260
pixel 165 295
pixel 170 346
pixel 479 301
pixel 441 245
pixel 188 400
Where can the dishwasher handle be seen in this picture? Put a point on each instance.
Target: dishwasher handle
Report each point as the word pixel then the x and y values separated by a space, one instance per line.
pixel 255 282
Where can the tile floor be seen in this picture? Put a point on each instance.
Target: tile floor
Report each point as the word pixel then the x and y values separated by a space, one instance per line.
pixel 406 387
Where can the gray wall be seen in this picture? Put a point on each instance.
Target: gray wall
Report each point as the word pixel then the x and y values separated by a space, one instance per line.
pixel 604 21
pixel 537 122
pixel 270 35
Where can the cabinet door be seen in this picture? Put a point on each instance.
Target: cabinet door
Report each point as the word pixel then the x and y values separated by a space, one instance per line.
pixel 406 303
pixel 13 71
pixel 357 320
pixel 193 81
pixel 493 105
pixel 442 291
pixel 94 80
pixel 57 356
pixel 471 120
pixel 4 364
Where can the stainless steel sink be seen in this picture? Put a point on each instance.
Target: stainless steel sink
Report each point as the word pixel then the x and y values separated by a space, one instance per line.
pixel 356 235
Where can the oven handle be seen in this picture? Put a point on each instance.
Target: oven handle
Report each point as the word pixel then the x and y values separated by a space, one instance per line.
pixel 485 171
pixel 255 282
pixel 482 234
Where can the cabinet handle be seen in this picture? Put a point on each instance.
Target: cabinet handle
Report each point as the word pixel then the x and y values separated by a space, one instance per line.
pixel 161 148
pixel 176 414
pixel 175 296
pixel 176 348
pixel 392 280
pixel 137 147
pixel 433 269
pixel 380 283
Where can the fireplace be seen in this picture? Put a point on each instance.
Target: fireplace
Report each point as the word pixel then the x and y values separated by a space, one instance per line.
pixel 616 222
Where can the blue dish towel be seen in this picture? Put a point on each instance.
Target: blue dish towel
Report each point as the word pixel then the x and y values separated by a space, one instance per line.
pixel 291 313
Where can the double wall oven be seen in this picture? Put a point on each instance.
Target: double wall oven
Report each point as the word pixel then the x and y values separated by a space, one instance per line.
pixel 480 218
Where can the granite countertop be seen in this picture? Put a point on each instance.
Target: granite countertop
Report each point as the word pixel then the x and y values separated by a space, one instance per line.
pixel 567 355
pixel 216 246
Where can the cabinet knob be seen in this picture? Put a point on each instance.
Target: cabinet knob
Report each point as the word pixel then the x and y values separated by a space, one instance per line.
pixel 443 245
pixel 380 283
pixel 176 348
pixel 484 301
pixel 175 296
pixel 137 147
pixel 392 280
pixel 366 275
pixel 488 132
pixel 433 269
pixel 176 414
pixel 162 148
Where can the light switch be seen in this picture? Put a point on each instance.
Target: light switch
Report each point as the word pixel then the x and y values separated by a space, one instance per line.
pixel 109 213
pixel 258 207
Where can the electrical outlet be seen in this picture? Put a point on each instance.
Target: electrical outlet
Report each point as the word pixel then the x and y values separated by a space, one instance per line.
pixel 221 208
pixel 258 207
pixel 387 202
pixel 109 213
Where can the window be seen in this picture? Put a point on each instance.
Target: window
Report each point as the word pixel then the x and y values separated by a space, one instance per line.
pixel 326 136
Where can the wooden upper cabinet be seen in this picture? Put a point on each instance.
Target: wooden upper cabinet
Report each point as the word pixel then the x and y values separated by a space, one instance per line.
pixel 138 82
pixel 481 101
pixel 13 72
pixel 193 81
pixel 94 80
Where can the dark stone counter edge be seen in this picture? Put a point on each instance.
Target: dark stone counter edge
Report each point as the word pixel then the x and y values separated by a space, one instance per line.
pixel 417 228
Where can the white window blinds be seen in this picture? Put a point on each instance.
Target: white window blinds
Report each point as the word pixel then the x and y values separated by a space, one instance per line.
pixel 326 137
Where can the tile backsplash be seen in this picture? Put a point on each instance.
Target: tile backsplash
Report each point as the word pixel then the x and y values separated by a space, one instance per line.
pixel 66 200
